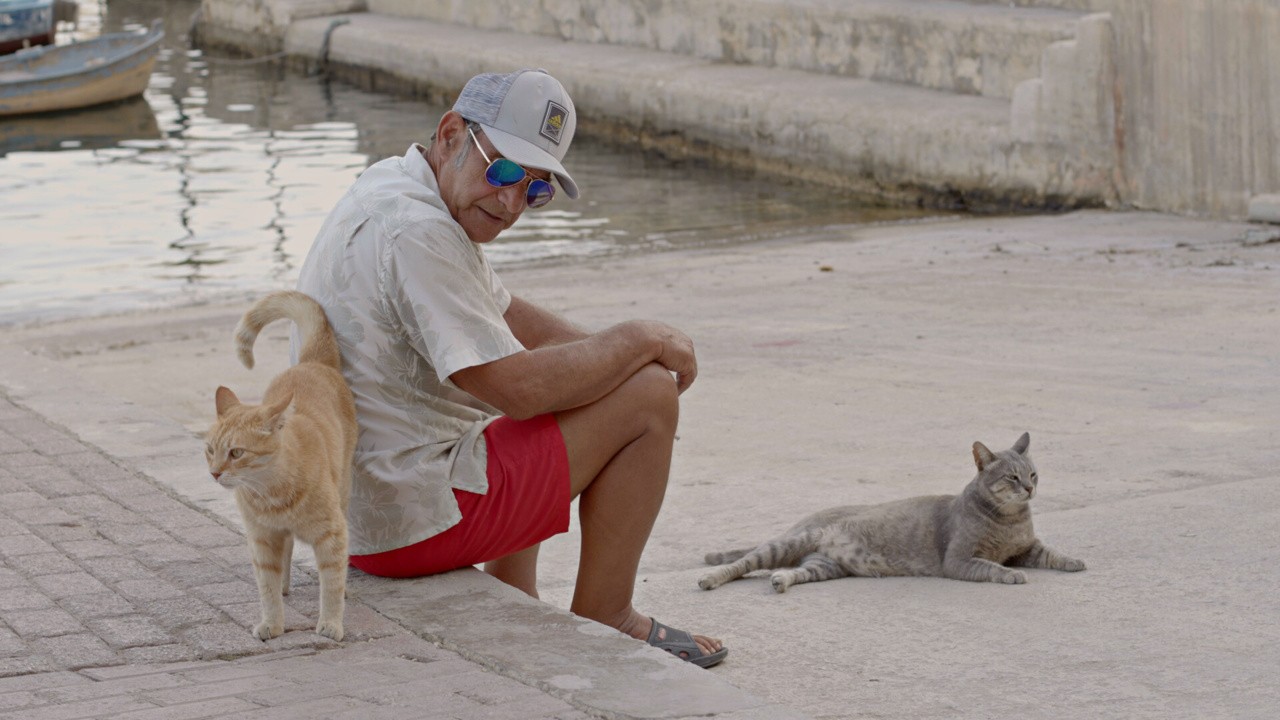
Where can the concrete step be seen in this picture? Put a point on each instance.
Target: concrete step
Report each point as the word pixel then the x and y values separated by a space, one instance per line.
pixel 972 48
pixel 1080 5
pixel 897 142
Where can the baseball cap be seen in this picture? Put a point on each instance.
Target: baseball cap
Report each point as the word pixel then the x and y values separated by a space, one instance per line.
pixel 528 117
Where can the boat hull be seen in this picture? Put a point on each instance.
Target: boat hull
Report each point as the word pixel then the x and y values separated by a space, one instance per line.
pixel 25 23
pixel 109 68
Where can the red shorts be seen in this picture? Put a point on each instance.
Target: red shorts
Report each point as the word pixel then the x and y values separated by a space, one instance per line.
pixel 527 502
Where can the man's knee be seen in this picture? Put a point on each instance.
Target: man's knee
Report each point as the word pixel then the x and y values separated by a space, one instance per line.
pixel 655 393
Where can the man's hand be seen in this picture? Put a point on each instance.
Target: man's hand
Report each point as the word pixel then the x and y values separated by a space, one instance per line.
pixel 675 354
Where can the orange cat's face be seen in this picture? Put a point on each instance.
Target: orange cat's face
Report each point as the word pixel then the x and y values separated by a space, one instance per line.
pixel 242 443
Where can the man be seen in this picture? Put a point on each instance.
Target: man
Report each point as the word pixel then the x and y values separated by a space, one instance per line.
pixel 481 414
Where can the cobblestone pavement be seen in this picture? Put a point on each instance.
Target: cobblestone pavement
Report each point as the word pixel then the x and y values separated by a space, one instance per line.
pixel 118 600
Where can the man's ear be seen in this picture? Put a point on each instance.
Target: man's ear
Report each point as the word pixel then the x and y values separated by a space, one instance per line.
pixel 451 130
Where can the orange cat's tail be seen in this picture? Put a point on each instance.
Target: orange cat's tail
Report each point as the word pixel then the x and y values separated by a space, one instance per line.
pixel 318 342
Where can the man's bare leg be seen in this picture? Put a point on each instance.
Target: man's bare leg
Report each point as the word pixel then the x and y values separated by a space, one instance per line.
pixel 519 570
pixel 619 459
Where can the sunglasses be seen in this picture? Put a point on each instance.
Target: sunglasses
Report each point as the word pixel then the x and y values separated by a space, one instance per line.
pixel 505 173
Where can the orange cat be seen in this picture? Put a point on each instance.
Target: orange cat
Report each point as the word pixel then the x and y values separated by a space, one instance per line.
pixel 289 461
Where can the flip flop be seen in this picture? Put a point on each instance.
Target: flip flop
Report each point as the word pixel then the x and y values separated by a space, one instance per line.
pixel 682 645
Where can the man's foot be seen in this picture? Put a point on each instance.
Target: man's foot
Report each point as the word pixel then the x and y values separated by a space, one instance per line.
pixel 687 647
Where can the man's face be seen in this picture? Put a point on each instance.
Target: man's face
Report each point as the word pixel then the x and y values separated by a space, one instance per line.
pixel 481 209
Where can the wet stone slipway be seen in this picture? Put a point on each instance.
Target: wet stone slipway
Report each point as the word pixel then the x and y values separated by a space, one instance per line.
pixel 119 601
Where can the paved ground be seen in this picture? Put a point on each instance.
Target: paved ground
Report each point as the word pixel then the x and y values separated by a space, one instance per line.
pixel 119 601
pixel 849 365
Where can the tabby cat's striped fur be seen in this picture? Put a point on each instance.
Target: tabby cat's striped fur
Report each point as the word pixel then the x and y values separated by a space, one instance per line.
pixel 971 536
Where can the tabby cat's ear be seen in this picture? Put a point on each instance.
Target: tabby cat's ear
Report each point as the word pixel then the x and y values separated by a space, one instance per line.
pixel 1023 443
pixel 224 400
pixel 982 457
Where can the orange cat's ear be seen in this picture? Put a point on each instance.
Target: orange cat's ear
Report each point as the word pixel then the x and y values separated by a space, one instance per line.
pixel 982 457
pixel 276 414
pixel 224 400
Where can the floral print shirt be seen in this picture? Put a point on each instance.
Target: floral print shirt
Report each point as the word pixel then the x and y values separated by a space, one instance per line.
pixel 412 300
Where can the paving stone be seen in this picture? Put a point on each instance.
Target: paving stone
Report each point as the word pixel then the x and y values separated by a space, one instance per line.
pixel 77 651
pixel 162 555
pixel 43 564
pixel 11 527
pixel 25 664
pixel 209 690
pixel 96 605
pixel 23 597
pixel 10 643
pixel 11 444
pixel 118 569
pixel 154 504
pixel 66 532
pixel 15 545
pixel 130 631
pixel 56 481
pixel 16 504
pixel 17 700
pixel 103 708
pixel 98 508
pixel 48 514
pixel 223 640
pixel 220 707
pixel 89 464
pixel 48 622
pixel 191 574
pixel 108 688
pixel 133 533
pixel 144 590
pixel 149 655
pixel 126 671
pixel 89 549
pixel 226 593
pixel 210 535
pixel 19 460
pixel 69 584
pixel 181 612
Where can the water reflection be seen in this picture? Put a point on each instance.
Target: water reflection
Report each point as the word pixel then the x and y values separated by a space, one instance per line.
pixel 218 181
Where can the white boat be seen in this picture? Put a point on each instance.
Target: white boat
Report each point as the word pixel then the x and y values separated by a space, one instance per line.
pixel 61 77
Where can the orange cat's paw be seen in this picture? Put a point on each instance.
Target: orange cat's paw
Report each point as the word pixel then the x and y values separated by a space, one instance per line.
pixel 330 630
pixel 266 631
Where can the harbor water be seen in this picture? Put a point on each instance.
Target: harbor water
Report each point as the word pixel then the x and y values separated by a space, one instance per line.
pixel 214 184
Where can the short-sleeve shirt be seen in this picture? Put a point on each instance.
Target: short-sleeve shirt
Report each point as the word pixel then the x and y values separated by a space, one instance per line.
pixel 412 300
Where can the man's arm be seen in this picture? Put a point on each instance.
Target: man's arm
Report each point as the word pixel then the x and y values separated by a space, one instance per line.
pixel 555 377
pixel 536 327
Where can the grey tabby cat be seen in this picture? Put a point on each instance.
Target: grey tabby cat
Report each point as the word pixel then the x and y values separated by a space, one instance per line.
pixel 971 536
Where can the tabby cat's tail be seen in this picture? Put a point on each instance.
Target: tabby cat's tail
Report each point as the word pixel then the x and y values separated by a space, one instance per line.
pixel 318 342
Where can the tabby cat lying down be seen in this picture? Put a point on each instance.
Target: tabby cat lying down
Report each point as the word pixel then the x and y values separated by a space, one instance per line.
pixel 970 536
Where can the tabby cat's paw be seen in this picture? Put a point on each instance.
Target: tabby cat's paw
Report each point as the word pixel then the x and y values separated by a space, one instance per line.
pixel 708 582
pixel 331 630
pixel 1013 577
pixel 266 631
pixel 1073 566
pixel 780 582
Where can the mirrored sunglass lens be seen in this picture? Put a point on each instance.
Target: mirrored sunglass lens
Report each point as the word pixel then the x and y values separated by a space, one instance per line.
pixel 503 173
pixel 540 193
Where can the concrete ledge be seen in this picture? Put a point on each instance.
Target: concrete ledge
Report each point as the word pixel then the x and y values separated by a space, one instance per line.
pixel 1264 208
pixel 893 142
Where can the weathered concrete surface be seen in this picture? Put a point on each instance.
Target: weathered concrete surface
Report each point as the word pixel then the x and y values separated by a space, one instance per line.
pixel 900 142
pixel 1160 104
pixel 857 365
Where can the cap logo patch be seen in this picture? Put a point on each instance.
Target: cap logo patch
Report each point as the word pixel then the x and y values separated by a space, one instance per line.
pixel 553 122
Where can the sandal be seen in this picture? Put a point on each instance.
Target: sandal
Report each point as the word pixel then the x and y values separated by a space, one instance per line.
pixel 682 645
